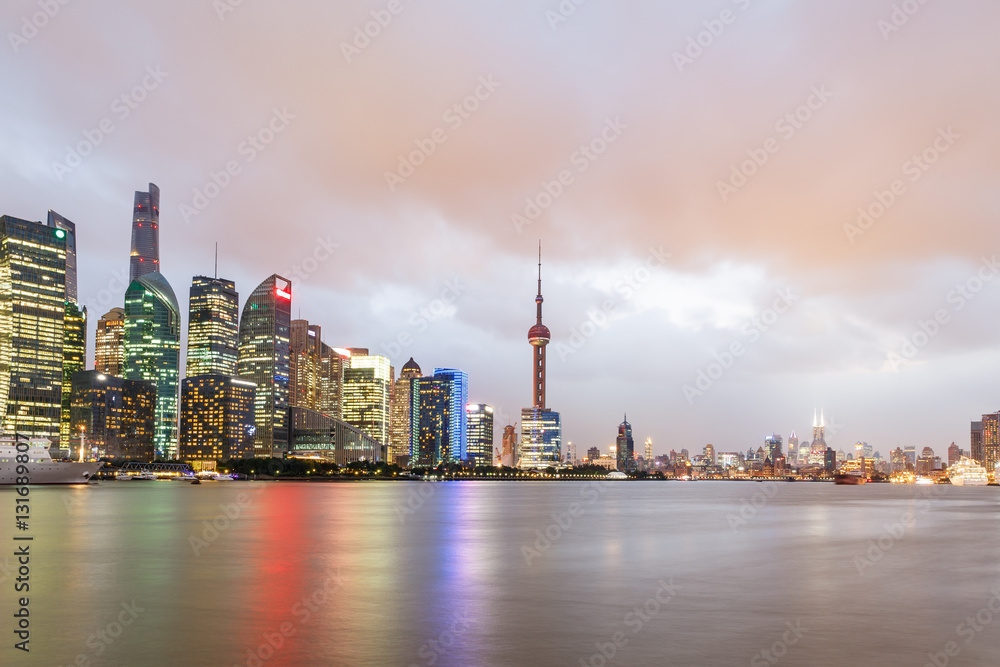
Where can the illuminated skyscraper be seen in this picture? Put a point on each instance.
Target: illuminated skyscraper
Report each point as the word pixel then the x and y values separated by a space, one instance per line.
pixel 991 441
pixel 332 363
pixel 306 383
pixel 32 314
pixel 430 415
pixel 264 360
pixel 817 448
pixel 458 393
pixel 400 412
pixel 116 417
pixel 145 256
pixel 793 449
pixel 625 447
pixel 59 222
pixel 772 447
pixel 74 359
pixel 508 455
pixel 217 418
pixel 976 442
pixel 109 344
pixel 541 428
pixel 366 395
pixel 213 327
pixel 152 350
pixel 480 433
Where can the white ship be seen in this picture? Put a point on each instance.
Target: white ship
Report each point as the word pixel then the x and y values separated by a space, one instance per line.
pixel 967 473
pixel 42 468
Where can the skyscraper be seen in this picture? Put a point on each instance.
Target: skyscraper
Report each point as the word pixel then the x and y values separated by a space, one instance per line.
pixel 116 417
pixel 480 432
pixel 145 256
pixel 109 343
pixel 648 453
pixel 817 449
pixel 430 415
pixel 217 418
pixel 772 447
pixel 508 456
pixel 401 411
pixel 305 384
pixel 541 428
pixel 152 350
pixel 991 441
pixel 458 392
pixel 213 327
pixel 976 442
pixel 264 360
pixel 74 359
pixel 793 449
pixel 32 314
pixel 366 395
pixel 625 447
pixel 59 222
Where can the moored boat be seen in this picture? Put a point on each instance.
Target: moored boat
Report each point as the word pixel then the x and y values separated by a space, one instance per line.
pixel 848 479
pixel 41 467
pixel 966 472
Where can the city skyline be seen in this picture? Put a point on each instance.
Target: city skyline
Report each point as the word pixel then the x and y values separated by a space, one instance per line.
pixel 372 266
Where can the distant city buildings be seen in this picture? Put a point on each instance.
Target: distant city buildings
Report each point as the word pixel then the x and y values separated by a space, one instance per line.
pixel 480 434
pixel 625 447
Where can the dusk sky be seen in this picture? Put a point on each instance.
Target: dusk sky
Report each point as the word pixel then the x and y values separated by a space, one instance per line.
pixel 687 167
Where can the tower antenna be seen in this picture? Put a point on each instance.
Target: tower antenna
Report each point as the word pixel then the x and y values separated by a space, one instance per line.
pixel 216 259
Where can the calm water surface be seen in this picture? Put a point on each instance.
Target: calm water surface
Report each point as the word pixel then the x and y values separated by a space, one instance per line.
pixel 506 573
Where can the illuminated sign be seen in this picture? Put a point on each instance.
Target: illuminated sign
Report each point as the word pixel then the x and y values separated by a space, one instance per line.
pixel 282 293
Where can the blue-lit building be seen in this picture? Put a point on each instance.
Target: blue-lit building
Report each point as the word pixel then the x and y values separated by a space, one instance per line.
pixel 458 397
pixel 430 420
pixel 541 438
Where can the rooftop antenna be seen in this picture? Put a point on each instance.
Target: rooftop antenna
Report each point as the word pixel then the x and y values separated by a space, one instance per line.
pixel 216 259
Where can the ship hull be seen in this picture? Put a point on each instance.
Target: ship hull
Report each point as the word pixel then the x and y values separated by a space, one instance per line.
pixel 54 472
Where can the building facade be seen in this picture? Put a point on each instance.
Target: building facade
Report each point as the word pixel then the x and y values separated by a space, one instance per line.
pixel 625 447
pixel 401 412
pixel 430 414
pixel 458 392
pixel 316 435
pixel 32 321
pixel 479 420
pixel 213 327
pixel 217 418
pixel 990 448
pixel 74 359
pixel 264 359
pixel 112 417
pixel 367 379
pixel 152 350
pixel 109 343
pixel 145 255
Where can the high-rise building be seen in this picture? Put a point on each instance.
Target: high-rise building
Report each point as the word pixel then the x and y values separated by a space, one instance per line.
pixel 976 444
pixel 264 360
pixel 898 460
pixel 109 343
pixel 32 314
pixel 817 449
pixel 991 441
pixel 625 447
pixel 59 222
pixel 954 454
pixel 647 453
pixel 458 392
pixel 480 434
pixel 332 363
pixel 593 454
pixel 112 417
pixel 709 453
pixel 213 327
pixel 793 449
pixel 430 421
pixel 910 451
pixel 772 447
pixel 508 455
pixel 145 256
pixel 400 414
pixel 305 384
pixel 152 350
pixel 367 379
pixel 74 359
pixel 316 435
pixel 217 418
pixel 541 428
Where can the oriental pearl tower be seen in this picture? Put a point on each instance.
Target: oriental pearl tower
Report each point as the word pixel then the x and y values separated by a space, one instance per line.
pixel 538 336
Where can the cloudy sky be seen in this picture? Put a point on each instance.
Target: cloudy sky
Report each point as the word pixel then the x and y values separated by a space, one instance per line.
pixel 695 172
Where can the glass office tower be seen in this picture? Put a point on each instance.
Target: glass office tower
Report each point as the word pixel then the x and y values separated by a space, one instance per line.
pixel 213 327
pixel 145 255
